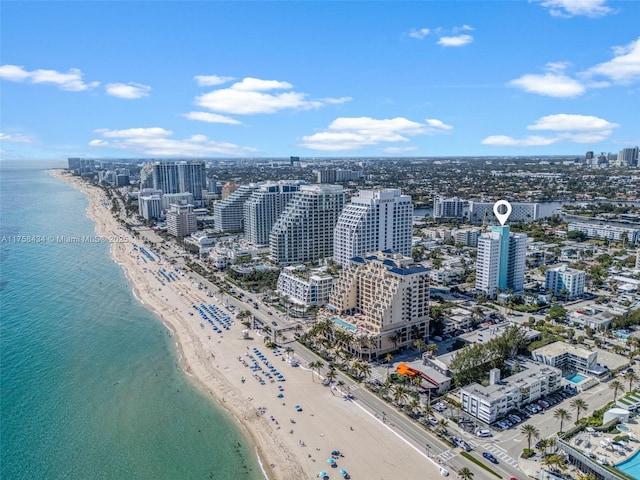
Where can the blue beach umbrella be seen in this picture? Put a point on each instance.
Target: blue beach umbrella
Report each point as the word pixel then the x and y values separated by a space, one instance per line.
pixel 343 472
pixel 330 461
pixel 322 474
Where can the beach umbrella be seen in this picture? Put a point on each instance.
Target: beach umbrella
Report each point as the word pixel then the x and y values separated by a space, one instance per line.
pixel 297 407
pixel 343 472
pixel 335 452
pixel 330 461
pixel 322 474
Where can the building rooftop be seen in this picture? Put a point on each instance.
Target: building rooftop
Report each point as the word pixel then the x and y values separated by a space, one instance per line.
pixel 558 348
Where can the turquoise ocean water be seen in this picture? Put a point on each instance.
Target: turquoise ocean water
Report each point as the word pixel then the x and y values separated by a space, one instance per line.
pixel 90 386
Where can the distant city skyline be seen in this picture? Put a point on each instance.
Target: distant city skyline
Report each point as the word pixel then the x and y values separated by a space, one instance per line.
pixel 194 79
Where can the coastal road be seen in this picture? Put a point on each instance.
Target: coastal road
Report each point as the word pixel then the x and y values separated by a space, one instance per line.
pixel 399 424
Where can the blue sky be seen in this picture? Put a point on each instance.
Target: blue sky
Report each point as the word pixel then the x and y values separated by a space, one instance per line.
pixel 273 79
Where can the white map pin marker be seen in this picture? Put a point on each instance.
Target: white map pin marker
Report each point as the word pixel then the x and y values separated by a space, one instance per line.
pixel 502 217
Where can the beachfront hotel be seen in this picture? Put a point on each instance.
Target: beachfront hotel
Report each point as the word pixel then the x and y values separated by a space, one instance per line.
pixel 228 215
pixel 264 206
pixel 568 358
pixel 304 231
pixel 382 299
pixel 375 220
pixel 305 287
pixel 489 403
pixel 481 212
pixel 181 221
pixel 500 265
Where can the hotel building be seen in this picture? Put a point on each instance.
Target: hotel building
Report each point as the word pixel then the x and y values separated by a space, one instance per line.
pixel 383 299
pixel 305 288
pixel 448 208
pixel 175 177
pixel 500 264
pixel 304 231
pixel 375 220
pixel 181 221
pixel 606 231
pixel 568 358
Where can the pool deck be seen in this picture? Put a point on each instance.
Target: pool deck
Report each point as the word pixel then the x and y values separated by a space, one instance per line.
pixel 601 444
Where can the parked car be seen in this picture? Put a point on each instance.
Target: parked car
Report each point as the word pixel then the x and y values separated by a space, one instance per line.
pixel 489 457
pixel 483 433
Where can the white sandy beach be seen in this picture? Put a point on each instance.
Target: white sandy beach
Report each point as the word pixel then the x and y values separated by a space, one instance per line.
pixel 215 362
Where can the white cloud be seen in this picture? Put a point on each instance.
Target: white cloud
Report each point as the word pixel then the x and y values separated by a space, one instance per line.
pixel 129 90
pixel 567 122
pixel 506 141
pixel 251 96
pixel 211 118
pixel 353 133
pixel 571 8
pixel 157 141
pixel 568 128
pixel 399 150
pixel 14 137
pixel 419 34
pixel 211 80
pixel 550 84
pixel 70 81
pixel 463 28
pixel 623 69
pixel 457 41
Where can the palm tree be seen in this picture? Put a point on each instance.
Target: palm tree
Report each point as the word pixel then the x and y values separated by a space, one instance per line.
pixel 419 344
pixel 414 405
pixel 631 377
pixel 579 405
pixel 331 376
pixel 616 386
pixel 542 446
pixel 316 366
pixel 395 339
pixel 530 432
pixel 427 410
pixel 442 425
pixel 431 349
pixel 562 415
pixel 387 358
pixel 465 474
pixel 365 370
pixel 340 384
pixel 400 394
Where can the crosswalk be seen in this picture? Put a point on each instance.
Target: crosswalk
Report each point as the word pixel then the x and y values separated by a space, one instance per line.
pixel 501 454
pixel 446 455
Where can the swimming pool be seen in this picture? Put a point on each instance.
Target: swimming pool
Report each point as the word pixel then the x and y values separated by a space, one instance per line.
pixel 576 378
pixel 622 335
pixel 622 428
pixel 631 466
pixel 344 324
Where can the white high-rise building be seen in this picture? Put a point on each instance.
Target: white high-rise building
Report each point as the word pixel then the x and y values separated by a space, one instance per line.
pixel 375 220
pixel 263 208
pixel 449 208
pixel 228 215
pixel 479 212
pixel 628 157
pixel 565 282
pixel 150 204
pixel 304 231
pixel 500 265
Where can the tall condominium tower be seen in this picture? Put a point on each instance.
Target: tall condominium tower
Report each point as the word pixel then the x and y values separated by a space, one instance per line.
pixel 304 231
pixel 228 215
pixel 375 220
pixel 263 208
pixel 501 262
pixel 175 177
pixel 628 157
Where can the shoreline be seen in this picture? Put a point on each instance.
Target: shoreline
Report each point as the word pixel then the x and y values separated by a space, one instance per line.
pixel 217 365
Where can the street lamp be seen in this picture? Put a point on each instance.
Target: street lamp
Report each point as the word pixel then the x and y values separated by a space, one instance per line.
pixel 428 451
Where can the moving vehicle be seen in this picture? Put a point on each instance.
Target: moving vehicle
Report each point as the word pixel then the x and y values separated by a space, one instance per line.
pixel 489 457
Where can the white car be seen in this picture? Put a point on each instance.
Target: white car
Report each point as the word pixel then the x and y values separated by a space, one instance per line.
pixel 444 472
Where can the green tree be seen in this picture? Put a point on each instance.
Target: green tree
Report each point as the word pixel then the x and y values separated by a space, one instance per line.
pixel 465 474
pixel 530 432
pixel 630 377
pixel 562 415
pixel 616 386
pixel 579 405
